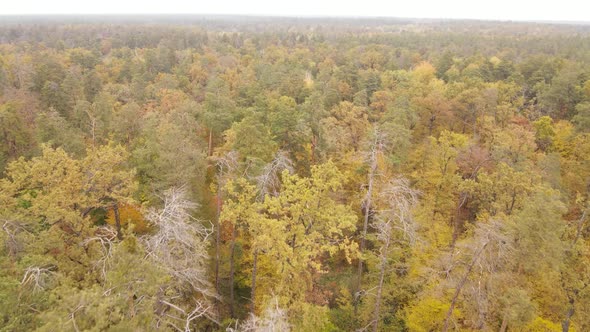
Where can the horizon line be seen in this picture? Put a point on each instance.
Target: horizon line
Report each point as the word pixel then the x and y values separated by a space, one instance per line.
pixel 301 16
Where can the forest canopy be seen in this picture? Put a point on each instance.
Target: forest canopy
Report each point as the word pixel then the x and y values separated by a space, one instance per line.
pixel 220 173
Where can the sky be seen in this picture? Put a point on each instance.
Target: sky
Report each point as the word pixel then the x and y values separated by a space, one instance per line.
pixel 516 10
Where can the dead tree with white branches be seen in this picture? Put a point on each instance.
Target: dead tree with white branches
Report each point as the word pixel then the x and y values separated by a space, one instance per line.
pixel 488 251
pixel 269 181
pixel 273 319
pixel 377 146
pixel 185 317
pixel 36 278
pixel 105 237
pixel 180 248
pixel 399 199
pixel 11 229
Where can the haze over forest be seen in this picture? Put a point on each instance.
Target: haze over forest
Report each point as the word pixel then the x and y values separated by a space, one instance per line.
pixel 248 173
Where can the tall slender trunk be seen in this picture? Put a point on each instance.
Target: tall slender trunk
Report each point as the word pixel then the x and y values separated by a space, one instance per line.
pixel 210 150
pixel 580 227
pixel 504 324
pixel 232 273
pixel 217 238
pixel 456 220
pixel 253 292
pixel 565 325
pixel 377 311
pixel 431 124
pixel 460 286
pixel 93 131
pixel 117 221
pixel 368 205
pixel 364 233
pixel 314 142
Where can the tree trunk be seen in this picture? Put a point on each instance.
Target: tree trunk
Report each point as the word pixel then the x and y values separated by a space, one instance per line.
pixel 231 273
pixel 565 325
pixel 117 221
pixel 313 143
pixel 364 235
pixel 210 150
pixel 431 124
pixel 217 239
pixel 580 227
pixel 504 324
pixel 377 312
pixel 367 204
pixel 253 292
pixel 460 286
pixel 456 220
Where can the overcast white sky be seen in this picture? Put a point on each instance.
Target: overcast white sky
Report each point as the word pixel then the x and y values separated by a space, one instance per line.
pixel 558 10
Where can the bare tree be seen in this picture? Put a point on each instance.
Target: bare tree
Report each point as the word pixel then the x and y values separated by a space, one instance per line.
pixel 399 199
pixel 72 316
pixel 105 237
pixel 376 147
pixel 274 319
pixel 36 277
pixel 180 247
pixel 488 250
pixel 12 229
pixel 269 181
pixel 185 317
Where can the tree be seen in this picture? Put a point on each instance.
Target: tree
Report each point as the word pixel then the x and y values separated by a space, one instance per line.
pixel 228 166
pixel 180 247
pixel 395 218
pixel 562 95
pixel 582 117
pixel 54 130
pixel 488 249
pixel 168 153
pixel 108 181
pixel 288 129
pixel 129 125
pixel 376 148
pixel 274 319
pixel 344 129
pixel 435 171
pixel 544 133
pixel 251 139
pixel 313 225
pixel 243 211
pixel 219 111
pixel 14 133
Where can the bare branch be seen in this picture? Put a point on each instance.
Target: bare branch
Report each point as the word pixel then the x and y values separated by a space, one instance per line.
pixel 274 319
pixel 72 316
pixel 269 181
pixel 37 277
pixel 489 249
pixel 105 237
pixel 399 199
pixel 180 245
pixel 11 229
pixel 226 165
pixel 200 309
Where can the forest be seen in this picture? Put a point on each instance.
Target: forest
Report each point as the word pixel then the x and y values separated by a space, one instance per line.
pixel 220 173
